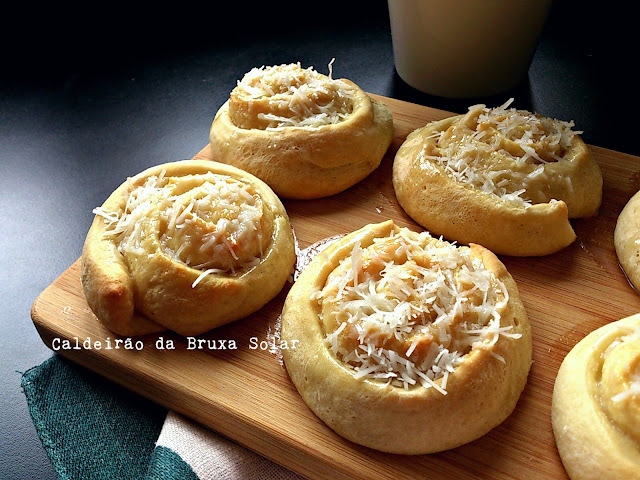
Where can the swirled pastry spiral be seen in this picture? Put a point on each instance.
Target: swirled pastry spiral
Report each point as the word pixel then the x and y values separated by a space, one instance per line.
pixel 186 246
pixel 406 343
pixel 626 239
pixel 504 178
pixel 305 134
pixel 596 404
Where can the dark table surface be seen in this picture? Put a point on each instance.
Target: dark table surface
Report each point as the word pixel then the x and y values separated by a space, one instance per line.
pixel 86 102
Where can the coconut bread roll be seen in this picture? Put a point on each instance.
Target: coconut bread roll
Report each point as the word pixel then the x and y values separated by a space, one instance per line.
pixel 305 134
pixel 506 179
pixel 405 343
pixel 186 246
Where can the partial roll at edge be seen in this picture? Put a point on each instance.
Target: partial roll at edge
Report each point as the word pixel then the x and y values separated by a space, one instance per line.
pixel 596 404
pixel 626 238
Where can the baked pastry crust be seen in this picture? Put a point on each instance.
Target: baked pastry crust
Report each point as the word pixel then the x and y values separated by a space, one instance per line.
pixel 378 409
pixel 627 240
pixel 596 404
pixel 186 260
pixel 504 178
pixel 302 159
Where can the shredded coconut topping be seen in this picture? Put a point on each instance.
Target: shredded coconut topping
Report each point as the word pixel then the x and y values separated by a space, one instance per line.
pixel 501 151
pixel 210 222
pixel 296 97
pixel 407 309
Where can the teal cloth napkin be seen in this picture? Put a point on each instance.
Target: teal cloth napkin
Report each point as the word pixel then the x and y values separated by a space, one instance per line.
pixel 92 429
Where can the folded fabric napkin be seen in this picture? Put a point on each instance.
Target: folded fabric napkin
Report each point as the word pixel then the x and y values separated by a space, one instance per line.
pixel 92 428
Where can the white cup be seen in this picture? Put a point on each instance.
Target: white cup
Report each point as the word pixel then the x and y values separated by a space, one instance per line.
pixel 465 48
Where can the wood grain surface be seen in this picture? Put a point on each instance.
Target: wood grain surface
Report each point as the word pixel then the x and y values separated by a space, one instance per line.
pixel 246 395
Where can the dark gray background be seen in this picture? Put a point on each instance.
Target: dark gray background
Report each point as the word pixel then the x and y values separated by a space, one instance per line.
pixel 87 101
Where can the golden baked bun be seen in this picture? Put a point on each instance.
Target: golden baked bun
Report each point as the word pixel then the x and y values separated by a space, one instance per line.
pixel 596 404
pixel 186 246
pixel 626 239
pixel 303 133
pixel 504 178
pixel 406 343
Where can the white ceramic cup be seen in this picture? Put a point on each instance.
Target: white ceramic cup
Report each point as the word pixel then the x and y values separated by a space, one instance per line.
pixel 465 48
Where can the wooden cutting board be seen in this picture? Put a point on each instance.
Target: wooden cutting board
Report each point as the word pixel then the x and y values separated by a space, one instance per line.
pixel 246 395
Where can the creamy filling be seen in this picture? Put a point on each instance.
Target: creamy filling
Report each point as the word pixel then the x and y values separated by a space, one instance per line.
pixel 290 96
pixel 210 222
pixel 632 383
pixel 502 151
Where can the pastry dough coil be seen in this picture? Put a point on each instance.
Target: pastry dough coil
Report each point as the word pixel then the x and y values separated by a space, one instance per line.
pixel 186 246
pixel 504 178
pixel 303 133
pixel 596 404
pixel 627 240
pixel 405 343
